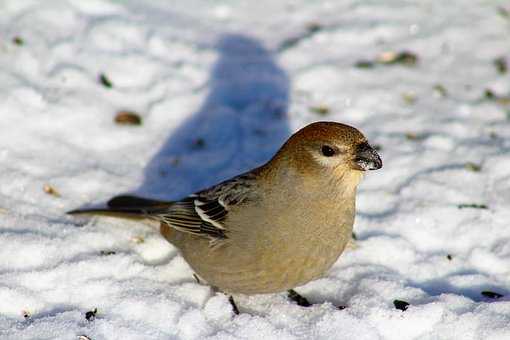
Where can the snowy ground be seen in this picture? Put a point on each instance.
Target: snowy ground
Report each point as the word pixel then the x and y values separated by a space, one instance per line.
pixel 218 88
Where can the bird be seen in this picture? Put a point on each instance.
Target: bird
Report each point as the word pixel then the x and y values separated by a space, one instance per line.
pixel 273 228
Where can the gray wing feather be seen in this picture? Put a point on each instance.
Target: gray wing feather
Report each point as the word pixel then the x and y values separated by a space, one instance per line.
pixel 203 213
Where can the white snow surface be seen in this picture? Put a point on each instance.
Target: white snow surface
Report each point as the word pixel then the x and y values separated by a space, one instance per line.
pixel 219 86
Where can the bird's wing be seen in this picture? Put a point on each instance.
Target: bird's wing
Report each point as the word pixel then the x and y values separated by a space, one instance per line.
pixel 204 213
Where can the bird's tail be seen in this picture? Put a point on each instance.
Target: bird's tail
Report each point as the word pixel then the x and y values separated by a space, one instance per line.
pixel 126 207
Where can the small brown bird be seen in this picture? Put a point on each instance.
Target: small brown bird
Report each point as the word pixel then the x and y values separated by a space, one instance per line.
pixel 275 227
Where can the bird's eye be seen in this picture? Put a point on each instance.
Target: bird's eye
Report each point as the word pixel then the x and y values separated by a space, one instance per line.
pixel 328 151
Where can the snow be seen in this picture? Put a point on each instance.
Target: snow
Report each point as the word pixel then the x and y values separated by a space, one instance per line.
pixel 219 87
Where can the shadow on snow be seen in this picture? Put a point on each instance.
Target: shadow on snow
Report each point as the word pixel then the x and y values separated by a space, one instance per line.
pixel 240 125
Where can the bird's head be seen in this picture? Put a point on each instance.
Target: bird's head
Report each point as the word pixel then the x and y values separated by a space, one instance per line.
pixel 328 148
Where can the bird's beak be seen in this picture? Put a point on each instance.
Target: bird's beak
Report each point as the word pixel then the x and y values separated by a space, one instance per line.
pixel 366 158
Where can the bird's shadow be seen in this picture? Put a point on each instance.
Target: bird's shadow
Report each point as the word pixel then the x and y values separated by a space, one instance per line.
pixel 240 125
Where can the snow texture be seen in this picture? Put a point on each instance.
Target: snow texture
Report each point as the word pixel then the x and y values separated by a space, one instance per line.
pixel 219 86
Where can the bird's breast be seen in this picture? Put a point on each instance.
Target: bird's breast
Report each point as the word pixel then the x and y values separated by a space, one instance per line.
pixel 290 247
